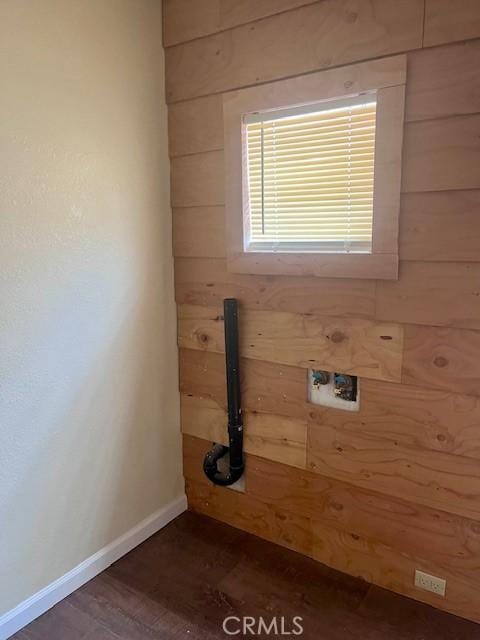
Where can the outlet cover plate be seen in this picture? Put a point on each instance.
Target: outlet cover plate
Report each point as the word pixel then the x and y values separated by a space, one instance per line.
pixel 430 583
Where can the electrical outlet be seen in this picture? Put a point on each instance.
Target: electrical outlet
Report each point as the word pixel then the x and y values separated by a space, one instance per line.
pixel 430 583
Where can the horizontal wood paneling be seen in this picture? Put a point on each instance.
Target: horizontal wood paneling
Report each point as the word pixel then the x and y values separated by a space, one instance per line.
pixel 195 126
pixel 188 19
pixel 443 154
pixel 439 155
pixel 269 436
pixel 395 485
pixel 451 540
pixel 334 265
pixel 432 293
pixel 426 223
pixel 318 36
pixel 249 514
pixel 404 415
pixel 443 481
pixel 443 358
pixel 438 226
pixel 208 282
pixel 199 232
pixel 266 387
pixel 448 20
pixel 197 180
pixel 398 415
pixel 339 548
pixel 443 81
pixel 381 565
pixel 360 347
pixel 238 509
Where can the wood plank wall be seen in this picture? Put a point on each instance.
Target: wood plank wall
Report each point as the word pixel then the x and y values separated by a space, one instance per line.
pixel 396 486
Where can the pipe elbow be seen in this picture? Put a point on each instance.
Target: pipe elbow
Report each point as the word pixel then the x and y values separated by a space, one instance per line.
pixel 213 473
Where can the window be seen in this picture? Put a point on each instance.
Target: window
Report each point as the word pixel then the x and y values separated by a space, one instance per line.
pixel 313 167
pixel 310 177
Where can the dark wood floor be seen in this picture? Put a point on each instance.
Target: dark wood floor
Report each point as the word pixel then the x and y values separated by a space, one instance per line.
pixel 185 580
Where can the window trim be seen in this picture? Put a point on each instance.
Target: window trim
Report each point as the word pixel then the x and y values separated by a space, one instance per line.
pixel 387 77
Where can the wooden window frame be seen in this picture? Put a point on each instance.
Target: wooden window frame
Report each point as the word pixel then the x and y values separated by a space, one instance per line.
pixel 387 77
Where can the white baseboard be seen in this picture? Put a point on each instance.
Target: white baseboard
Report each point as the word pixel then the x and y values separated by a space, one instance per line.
pixel 46 598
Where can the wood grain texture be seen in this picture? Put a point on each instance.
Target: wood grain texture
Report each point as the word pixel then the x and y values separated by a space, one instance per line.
pixel 198 232
pixel 379 564
pixel 442 358
pixel 145 595
pixel 443 81
pixel 266 387
pixel 440 227
pixel 439 155
pixel 398 415
pixel 249 514
pixel 403 415
pixel 388 169
pixel 448 20
pixel 269 436
pixel 360 347
pixel 208 282
pixel 452 541
pixel 395 485
pixel 188 19
pixel 432 293
pixel 197 180
pixel 195 126
pixel 340 548
pixel 318 36
pixel 442 481
pixel 320 265
pixel 442 154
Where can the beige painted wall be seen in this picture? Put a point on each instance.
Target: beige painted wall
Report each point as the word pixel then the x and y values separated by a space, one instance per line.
pixel 88 367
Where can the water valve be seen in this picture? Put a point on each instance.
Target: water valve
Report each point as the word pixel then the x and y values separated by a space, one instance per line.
pixel 345 386
pixel 320 378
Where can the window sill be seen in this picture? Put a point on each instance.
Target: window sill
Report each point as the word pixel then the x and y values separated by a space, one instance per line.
pixel 381 266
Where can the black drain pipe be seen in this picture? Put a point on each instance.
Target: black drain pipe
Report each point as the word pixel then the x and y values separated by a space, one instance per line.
pixel 235 424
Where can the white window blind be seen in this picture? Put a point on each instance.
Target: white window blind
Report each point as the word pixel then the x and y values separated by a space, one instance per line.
pixel 310 177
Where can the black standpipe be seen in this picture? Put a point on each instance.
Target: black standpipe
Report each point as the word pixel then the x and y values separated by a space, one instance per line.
pixel 235 423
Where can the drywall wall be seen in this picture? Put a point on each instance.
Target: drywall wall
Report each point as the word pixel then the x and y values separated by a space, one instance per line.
pixel 89 416
pixel 396 486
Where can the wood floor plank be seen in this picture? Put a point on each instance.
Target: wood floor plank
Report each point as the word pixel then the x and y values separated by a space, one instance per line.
pixel 185 579
pixel 337 548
